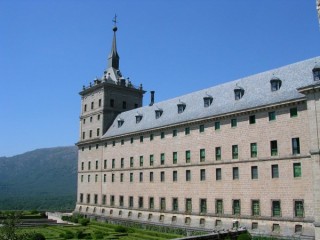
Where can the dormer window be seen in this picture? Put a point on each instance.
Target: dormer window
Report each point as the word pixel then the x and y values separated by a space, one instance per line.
pixel 207 101
pixel 316 72
pixel 238 93
pixel 138 118
pixel 181 107
pixel 120 122
pixel 158 113
pixel 275 84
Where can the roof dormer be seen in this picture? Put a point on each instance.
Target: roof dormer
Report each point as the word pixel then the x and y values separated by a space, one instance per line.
pixel 139 117
pixel 275 84
pixel 158 113
pixel 207 100
pixel 120 122
pixel 316 72
pixel 181 107
pixel 238 92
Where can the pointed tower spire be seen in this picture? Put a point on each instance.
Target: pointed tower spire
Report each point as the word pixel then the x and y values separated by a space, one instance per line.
pixel 113 59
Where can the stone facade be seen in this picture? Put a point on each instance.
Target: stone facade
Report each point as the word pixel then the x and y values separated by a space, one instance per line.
pixel 257 167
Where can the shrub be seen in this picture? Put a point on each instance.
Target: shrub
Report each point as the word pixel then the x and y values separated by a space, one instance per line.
pixel 84 221
pixel 37 236
pixel 68 235
pixel 80 234
pixel 120 229
pixel 244 236
pixel 33 212
pixel 98 235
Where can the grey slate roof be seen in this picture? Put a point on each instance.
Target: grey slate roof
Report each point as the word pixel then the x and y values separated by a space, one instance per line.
pixel 257 93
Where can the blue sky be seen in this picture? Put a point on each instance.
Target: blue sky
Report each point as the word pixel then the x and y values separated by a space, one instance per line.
pixel 49 49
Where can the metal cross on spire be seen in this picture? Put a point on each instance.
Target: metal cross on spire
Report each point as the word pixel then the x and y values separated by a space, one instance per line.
pixel 115 20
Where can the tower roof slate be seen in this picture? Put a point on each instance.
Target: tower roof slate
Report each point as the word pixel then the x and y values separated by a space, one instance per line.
pixel 257 93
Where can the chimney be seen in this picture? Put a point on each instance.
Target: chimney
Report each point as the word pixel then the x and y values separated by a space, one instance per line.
pixel 152 98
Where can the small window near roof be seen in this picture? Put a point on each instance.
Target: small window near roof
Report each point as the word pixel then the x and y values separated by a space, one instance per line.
pixel 181 107
pixel 275 84
pixel 238 93
pixel 207 101
pixel 316 72
pixel 120 122
pixel 158 113
pixel 138 118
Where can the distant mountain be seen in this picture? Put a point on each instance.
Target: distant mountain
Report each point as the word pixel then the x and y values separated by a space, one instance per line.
pixel 43 179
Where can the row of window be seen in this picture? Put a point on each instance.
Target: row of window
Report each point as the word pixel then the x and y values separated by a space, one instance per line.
pixel 202 155
pixel 296 170
pixel 91 119
pixel 298 205
pixel 111 104
pixel 90 133
pixel 182 106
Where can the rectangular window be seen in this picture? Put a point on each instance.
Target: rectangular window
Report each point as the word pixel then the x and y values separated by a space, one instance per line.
pixel 255 207
pixel 174 176
pixel 104 199
pixel 218 174
pixel 293 112
pixel 131 177
pixel 151 176
pixel 236 209
pixel 122 162
pixel 124 105
pixel 162 135
pixel 274 148
pixel 113 163
pixel 85 107
pixel 203 205
pixel 201 128
pixel 112 200
pixel 88 178
pixel 131 161
pixel 216 125
pixel 141 138
pixel 219 206
pixel 233 122
pixel 105 164
pixel 104 177
pixel 88 198
pixel 275 171
pixel 297 170
pixel 141 177
pixel 188 175
pixel 131 202
pixel 112 177
pixel 121 177
pixel 187 131
pixel 131 140
pixel 151 137
pixel 151 160
pixel 254 172
pixel 141 161
pixel 175 206
pixel 218 153
pixel 235 173
pixel 83 135
pixel 90 133
pixel 81 178
pixel 295 146
pixel 276 209
pixel 151 203
pixel 202 174
pixel 96 178
pixel 121 201
pixel 81 197
pixel 254 150
pixel 162 177
pixel 113 143
pixel 89 165
pixel 298 208
pixel 275 228
pixel 188 156
pixel 82 165
pixel 174 157
pixel 162 204
pixel 92 105
pixel 98 132
pixel 174 132
pixel 234 151
pixel 140 202
pixel 162 158
pixel 188 205
pixel 202 155
pixel 272 116
pixel 252 119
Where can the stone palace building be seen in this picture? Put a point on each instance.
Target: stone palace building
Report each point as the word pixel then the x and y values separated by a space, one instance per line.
pixel 243 153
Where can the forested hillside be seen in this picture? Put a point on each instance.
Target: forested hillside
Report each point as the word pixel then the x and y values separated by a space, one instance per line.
pixel 43 179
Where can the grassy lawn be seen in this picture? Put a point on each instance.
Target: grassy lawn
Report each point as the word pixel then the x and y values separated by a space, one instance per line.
pixel 97 230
